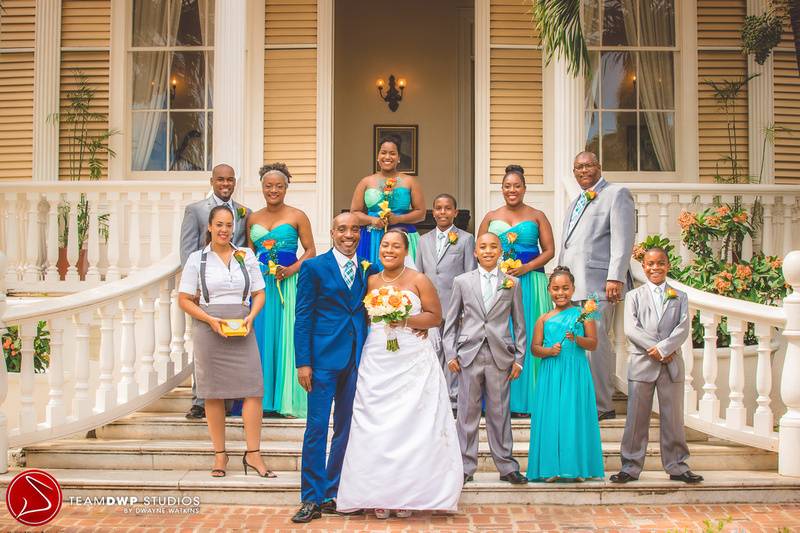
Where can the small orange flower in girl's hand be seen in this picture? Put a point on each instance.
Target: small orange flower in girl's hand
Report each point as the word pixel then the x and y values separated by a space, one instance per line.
pixel 589 307
pixel 452 237
pixel 269 243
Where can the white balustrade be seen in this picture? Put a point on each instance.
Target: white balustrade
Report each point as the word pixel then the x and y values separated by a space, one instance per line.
pixel 164 363
pixel 735 414
pixel 148 378
pixel 762 418
pixel 128 388
pixel 106 393
pixel 81 403
pixel 56 409
pixel 136 213
pixel 709 404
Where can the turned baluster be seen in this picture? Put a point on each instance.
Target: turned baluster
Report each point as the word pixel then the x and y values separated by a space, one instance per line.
pixel 789 433
pixel 56 409
pixel 165 365
pixel 174 239
pixel 736 414
pixel 684 250
pixel 664 201
pixel 128 389
pixel 81 403
pixel 93 238
pixel 134 236
pixel 27 410
pixel 12 236
pixel 641 213
pixel 789 207
pixel 709 404
pixel 32 271
pixel 763 419
pixel 148 378
pixel 106 393
pixel 115 212
pixel 73 252
pixel 178 352
pixel 687 351
pixel 767 238
pixel 155 227
pixel 52 237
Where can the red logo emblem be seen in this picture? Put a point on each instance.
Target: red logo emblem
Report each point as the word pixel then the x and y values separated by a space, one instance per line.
pixel 34 497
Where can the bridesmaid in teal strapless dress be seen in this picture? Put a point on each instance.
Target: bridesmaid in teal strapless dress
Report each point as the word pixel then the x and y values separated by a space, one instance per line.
pixel 274 326
pixel 405 202
pixel 565 434
pixel 526 235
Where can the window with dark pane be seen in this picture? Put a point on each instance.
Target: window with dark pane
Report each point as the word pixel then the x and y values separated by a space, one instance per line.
pixel 171 53
pixel 630 95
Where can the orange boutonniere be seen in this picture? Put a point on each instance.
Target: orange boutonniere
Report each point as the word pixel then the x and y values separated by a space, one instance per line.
pixel 239 255
pixel 590 195
pixel 508 283
pixel 241 211
pixel 670 294
pixel 452 237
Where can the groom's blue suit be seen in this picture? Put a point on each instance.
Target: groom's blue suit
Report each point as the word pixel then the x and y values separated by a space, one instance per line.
pixel 329 332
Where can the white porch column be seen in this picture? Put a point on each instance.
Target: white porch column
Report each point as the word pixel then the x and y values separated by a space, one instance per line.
pixel 324 189
pixel 482 103
pixel 230 50
pixel 563 135
pixel 760 105
pixel 46 68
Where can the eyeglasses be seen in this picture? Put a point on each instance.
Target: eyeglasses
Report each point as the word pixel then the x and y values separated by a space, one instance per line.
pixel 584 166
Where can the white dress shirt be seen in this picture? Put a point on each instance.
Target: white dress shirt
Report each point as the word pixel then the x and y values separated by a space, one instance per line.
pixel 658 292
pixel 342 260
pixel 442 237
pixel 225 283
pixel 488 289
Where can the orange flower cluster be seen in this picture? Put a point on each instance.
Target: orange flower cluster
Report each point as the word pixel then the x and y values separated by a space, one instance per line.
pixel 777 263
pixel 712 221
pixel 723 282
pixel 638 252
pixel 741 217
pixel 743 272
pixel 723 210
pixel 687 219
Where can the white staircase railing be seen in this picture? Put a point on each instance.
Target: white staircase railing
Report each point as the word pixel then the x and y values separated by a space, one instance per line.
pixel 659 204
pixel 113 349
pixel 129 226
pixel 778 332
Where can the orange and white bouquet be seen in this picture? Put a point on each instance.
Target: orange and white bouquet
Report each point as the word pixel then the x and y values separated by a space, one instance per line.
pixel 388 304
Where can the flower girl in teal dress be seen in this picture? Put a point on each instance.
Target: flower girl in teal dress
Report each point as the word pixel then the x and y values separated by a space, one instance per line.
pixel 565 434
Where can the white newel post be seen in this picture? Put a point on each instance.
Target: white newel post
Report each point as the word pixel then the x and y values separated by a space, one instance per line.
pixel 789 433
pixel 230 38
pixel 3 376
pixel 47 78
pixel 760 104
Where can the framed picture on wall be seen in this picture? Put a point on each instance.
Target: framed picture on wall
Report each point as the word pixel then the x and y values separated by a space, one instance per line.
pixel 407 136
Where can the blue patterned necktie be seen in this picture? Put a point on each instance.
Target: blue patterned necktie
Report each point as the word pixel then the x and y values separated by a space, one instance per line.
pixel 576 213
pixel 349 273
pixel 440 244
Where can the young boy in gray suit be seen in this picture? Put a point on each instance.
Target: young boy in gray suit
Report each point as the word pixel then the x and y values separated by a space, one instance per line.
pixel 480 349
pixel 443 254
pixel 657 323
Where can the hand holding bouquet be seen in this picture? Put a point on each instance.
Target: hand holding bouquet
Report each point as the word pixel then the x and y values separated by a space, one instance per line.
pixel 388 304
pixel 589 311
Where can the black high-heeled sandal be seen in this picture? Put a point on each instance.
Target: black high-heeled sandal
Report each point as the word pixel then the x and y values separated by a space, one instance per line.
pixel 220 472
pixel 246 465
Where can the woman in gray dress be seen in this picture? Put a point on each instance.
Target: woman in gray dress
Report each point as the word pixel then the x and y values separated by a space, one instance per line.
pixel 227 362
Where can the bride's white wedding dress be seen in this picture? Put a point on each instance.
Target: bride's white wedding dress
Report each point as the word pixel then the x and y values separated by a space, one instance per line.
pixel 403 450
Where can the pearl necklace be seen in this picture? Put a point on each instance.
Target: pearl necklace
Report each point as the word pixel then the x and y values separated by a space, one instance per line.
pixel 393 279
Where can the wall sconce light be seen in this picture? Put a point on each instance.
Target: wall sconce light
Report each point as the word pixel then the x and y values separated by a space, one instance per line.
pixel 393 96
pixel 173 89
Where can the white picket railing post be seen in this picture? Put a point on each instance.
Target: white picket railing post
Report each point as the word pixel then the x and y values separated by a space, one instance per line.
pixel 56 409
pixel 128 388
pixel 148 377
pixel 106 392
pixel 93 238
pixel 178 345
pixel 735 414
pixel 114 235
pixel 52 237
pixel 73 253
pixel 27 411
pixel 789 434
pixel 81 403
pixel 32 271
pixel 763 418
pixel 12 236
pixel 3 375
pixel 165 365
pixel 709 404
pixel 134 233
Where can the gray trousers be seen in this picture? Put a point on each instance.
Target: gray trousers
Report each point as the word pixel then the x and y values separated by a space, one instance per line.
pixel 482 379
pixel 602 361
pixel 674 451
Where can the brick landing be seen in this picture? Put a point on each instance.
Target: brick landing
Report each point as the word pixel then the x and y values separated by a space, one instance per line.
pixel 483 519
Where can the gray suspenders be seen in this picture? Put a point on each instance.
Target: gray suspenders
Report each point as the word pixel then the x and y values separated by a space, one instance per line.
pixel 204 287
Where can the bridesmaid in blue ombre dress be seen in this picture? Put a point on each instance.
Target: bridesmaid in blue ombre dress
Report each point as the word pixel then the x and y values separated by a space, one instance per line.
pixel 565 434
pixel 273 234
pixel 405 201
pixel 526 235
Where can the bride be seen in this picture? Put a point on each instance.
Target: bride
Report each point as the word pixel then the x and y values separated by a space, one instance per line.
pixel 403 451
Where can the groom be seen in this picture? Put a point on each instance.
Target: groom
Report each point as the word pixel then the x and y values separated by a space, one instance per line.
pixel 330 329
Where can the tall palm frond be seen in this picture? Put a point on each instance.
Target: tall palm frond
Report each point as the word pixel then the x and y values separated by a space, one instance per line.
pixel 559 26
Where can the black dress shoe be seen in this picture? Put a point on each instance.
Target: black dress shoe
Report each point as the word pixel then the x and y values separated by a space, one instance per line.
pixel 196 412
pixel 328 507
pixel 515 478
pixel 307 513
pixel 468 478
pixel 622 477
pixel 687 477
pixel 608 415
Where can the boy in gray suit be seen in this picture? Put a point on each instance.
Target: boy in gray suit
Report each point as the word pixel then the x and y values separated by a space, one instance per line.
pixel 480 349
pixel 657 323
pixel 193 236
pixel 443 254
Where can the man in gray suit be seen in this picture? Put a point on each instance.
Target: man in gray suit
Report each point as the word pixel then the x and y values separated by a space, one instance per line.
pixel 657 323
pixel 596 245
pixel 480 349
pixel 443 254
pixel 195 226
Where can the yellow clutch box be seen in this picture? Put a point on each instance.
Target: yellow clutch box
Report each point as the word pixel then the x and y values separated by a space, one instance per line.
pixel 234 328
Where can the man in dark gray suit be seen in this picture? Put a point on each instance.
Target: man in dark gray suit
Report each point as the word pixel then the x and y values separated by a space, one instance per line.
pixel 596 245
pixel 657 323
pixel 195 226
pixel 443 254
